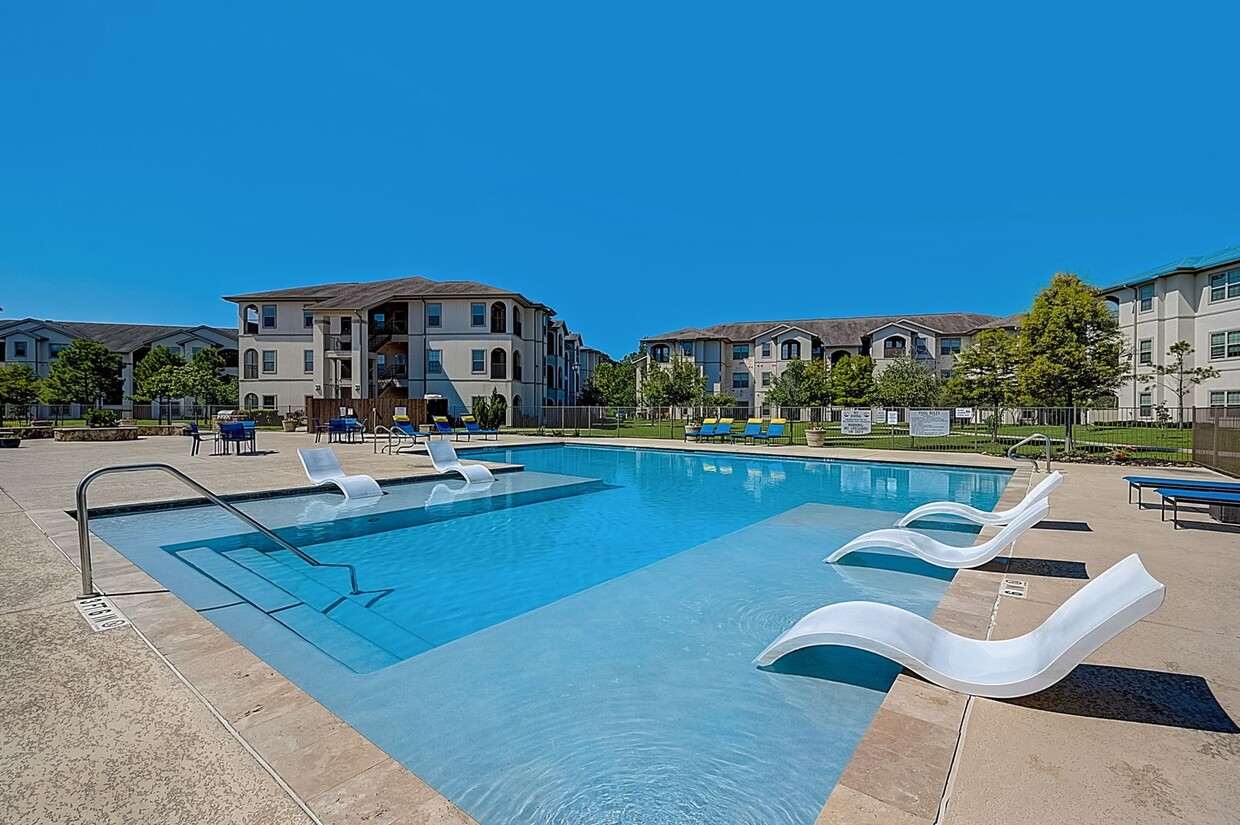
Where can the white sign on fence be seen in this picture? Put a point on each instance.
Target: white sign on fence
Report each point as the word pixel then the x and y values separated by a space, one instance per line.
pixel 965 413
pixel 893 416
pixel 929 423
pixel 402 412
pixel 855 422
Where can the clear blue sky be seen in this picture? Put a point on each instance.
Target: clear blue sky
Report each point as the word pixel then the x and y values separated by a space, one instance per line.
pixel 639 167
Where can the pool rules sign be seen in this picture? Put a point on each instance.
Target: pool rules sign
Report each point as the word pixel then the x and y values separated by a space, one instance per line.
pixel 929 423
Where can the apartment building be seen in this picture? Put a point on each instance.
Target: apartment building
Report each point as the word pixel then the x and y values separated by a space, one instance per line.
pixel 404 338
pixel 1192 299
pixel 38 343
pixel 742 359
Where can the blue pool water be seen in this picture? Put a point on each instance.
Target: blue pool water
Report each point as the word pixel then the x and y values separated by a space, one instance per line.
pixel 575 643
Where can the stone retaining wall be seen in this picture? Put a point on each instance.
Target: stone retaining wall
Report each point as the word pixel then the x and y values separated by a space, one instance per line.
pixel 96 433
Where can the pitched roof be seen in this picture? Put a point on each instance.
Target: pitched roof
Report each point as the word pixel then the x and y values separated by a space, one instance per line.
pixel 1222 256
pixel 846 332
pixel 363 294
pixel 120 337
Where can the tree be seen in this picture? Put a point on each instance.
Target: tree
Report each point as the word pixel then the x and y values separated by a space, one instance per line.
pixel 204 379
pixel 851 381
pixel 1071 348
pixel 985 375
pixel 490 413
pixel 19 388
pixel 85 373
pixel 617 382
pixel 590 395
pixel 677 385
pixel 156 376
pixel 801 384
pixel 1177 376
pixel 906 382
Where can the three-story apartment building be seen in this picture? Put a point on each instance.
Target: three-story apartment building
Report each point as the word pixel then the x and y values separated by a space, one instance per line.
pixel 404 338
pixel 1192 299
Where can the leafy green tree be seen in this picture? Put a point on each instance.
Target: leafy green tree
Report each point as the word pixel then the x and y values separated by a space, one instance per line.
pixel 677 385
pixel 1177 376
pixel 156 378
pixel 985 375
pixel 851 381
pixel 617 382
pixel 718 399
pixel 490 412
pixel 19 388
pixel 85 373
pixel 907 382
pixel 801 384
pixel 1071 349
pixel 590 395
pixel 204 379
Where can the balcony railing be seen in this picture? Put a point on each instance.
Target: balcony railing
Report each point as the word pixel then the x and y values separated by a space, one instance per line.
pixel 339 343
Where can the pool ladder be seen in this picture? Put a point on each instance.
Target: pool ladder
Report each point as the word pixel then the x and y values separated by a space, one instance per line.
pixel 1011 453
pixel 83 520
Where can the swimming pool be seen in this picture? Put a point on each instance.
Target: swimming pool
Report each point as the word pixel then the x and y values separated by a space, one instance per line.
pixel 575 643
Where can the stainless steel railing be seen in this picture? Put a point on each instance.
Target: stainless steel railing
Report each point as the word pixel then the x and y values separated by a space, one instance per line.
pixel 83 520
pixel 1011 453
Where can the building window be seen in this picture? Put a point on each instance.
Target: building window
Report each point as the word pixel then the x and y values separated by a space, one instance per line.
pixel 516 321
pixel 516 366
pixel 307 360
pixel 434 362
pixel 766 350
pixel 1225 345
pixel 499 317
pixel 269 316
pixel 193 351
pixel 740 352
pixel 478 360
pixel 478 315
pixel 269 360
pixel 660 353
pixel 1225 285
pixel 790 351
pixel 1145 295
pixel 250 364
pixel 1145 351
pixel 1225 398
pixel 499 364
pixel 54 350
pixel 269 402
pixel 740 380
pixel 949 346
pixel 894 347
pixel 251 320
pixel 251 401
pixel 687 348
pixel 307 319
pixel 434 315
pixel 766 379
pixel 19 349
pixel 1146 402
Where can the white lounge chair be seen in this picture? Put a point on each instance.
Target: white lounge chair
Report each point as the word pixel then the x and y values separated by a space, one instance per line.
pixel 964 511
pixel 443 456
pixel 903 540
pixel 1004 669
pixel 322 467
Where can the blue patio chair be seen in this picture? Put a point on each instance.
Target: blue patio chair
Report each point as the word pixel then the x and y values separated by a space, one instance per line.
pixel 354 428
pixel 471 427
pixel 753 428
pixel 249 429
pixel 336 430
pixel 233 432
pixel 774 430
pixel 200 437
pixel 318 429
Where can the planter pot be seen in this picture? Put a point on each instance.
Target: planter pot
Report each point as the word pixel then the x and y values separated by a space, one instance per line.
pixel 290 426
pixel 693 431
pixel 10 442
pixel 815 438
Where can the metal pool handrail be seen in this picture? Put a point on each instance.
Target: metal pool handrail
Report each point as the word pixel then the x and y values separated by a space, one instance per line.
pixel 1011 453
pixel 83 520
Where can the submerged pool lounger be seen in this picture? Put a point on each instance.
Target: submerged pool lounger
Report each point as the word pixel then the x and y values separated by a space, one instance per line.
pixel 1141 482
pixel 322 467
pixel 443 456
pixel 1176 494
pixel 964 511
pixel 1003 669
pixel 936 552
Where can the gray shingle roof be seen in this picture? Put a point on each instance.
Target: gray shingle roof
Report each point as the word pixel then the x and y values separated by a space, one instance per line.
pixel 364 294
pixel 120 337
pixel 834 332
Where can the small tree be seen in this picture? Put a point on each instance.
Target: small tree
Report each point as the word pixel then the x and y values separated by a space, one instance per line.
pixel 155 378
pixel 590 395
pixel 204 379
pixel 906 382
pixel 490 412
pixel 677 385
pixel 617 382
pixel 801 384
pixel 851 381
pixel 86 373
pixel 1177 376
pixel 1071 349
pixel 986 375
pixel 19 388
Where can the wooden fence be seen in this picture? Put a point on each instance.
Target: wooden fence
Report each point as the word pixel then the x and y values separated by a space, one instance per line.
pixel 374 411
pixel 1216 439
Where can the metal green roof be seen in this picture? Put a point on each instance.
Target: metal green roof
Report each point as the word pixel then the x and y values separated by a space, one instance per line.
pixel 1222 256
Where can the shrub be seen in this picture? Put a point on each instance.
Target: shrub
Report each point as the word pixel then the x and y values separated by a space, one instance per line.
pixel 101 418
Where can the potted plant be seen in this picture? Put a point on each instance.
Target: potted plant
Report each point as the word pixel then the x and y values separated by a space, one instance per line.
pixel 816 436
pixel 692 429
pixel 293 420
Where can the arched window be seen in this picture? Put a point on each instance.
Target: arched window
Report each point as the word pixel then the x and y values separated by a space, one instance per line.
pixel 251 401
pixel 516 321
pixel 251 364
pixel 660 353
pixel 790 351
pixel 499 364
pixel 837 356
pixel 516 365
pixel 499 317
pixel 516 405
pixel 894 347
pixel 251 320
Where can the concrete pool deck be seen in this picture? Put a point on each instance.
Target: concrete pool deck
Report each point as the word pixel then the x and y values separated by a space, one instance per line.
pixel 118 726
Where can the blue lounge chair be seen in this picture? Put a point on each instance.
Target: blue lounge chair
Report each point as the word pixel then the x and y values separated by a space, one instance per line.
pixel 705 431
pixel 471 427
pixel 1176 495
pixel 774 430
pixel 722 430
pixel 1141 482
pixel 753 428
pixel 443 429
